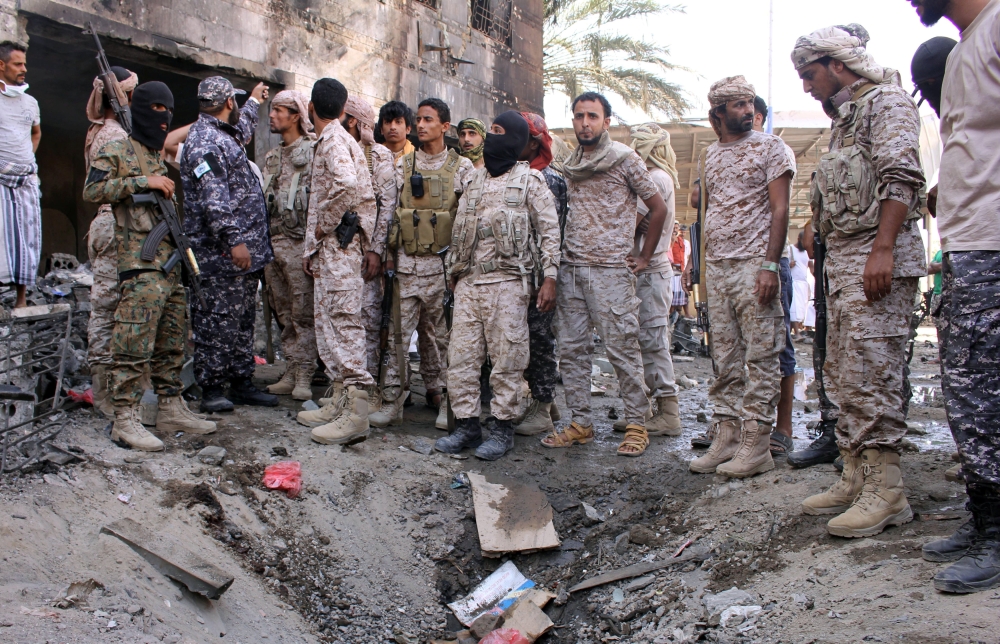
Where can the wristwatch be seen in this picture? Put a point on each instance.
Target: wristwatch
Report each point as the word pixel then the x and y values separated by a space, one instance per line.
pixel 769 266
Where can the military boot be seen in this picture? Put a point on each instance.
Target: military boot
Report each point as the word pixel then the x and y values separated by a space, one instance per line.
pixel 951 548
pixel 391 410
pixel 468 433
pixel 325 414
pixel 537 420
pixel 442 419
pixel 127 431
pixel 554 412
pixel 286 385
pixel 350 426
pixel 303 382
pixel 501 441
pixel 99 389
pixel 822 450
pixel 841 494
pixel 244 392
pixel 621 424
pixel 667 419
pixel 374 399
pixel 754 453
pixel 882 501
pixel 332 394
pixel 174 416
pixel 213 400
pixel 727 441
pixel 705 439
pixel 979 567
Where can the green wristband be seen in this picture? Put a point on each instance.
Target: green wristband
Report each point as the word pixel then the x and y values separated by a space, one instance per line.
pixel 769 266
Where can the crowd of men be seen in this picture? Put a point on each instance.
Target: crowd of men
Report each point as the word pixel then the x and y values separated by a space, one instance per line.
pixel 505 264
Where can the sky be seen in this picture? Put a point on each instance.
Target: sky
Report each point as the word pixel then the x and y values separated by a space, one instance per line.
pixel 718 38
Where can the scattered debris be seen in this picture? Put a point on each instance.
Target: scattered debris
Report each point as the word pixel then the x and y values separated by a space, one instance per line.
pixel 528 619
pixel 278 450
pixel 591 515
pixel 629 572
pixel 420 446
pixel 39 612
pixel 212 455
pixel 461 480
pixel 309 405
pixel 284 475
pixel 497 592
pixel 76 594
pixel 506 636
pixel 125 498
pixel 511 516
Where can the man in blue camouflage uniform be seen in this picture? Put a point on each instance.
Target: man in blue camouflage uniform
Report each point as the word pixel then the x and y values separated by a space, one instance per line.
pixel 226 219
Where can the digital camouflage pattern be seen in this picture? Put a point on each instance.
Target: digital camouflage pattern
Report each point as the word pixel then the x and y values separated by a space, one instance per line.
pixel 542 372
pixel 655 291
pixel 604 298
pixel 223 203
pixel 287 172
pixel 601 223
pixel 744 333
pixel 969 327
pixel 490 319
pixel 291 293
pixel 223 334
pixel 738 219
pixel 865 357
pixel 383 166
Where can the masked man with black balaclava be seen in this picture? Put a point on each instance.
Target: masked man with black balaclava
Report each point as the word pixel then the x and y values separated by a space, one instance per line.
pixel 504 250
pixel 150 327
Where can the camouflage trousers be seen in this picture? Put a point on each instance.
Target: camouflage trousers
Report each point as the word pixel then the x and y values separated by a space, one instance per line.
pixel 223 334
pixel 149 333
pixel 865 357
pixel 969 327
pixel 340 330
pixel 603 298
pixel 103 253
pixel 421 306
pixel 371 318
pixel 290 292
pixel 746 340
pixel 655 290
pixel 489 319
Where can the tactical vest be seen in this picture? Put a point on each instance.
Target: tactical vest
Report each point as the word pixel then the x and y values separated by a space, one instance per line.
pixel 510 227
pixel 423 226
pixel 288 200
pixel 845 192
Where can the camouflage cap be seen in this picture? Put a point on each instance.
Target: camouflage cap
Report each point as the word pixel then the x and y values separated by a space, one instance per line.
pixel 216 90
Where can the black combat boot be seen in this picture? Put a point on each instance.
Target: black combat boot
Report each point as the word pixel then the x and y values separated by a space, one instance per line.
pixel 979 567
pixel 468 433
pixel 953 547
pixel 501 441
pixel 213 400
pixel 705 439
pixel 822 450
pixel 243 392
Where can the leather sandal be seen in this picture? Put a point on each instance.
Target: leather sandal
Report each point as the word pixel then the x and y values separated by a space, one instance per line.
pixel 569 436
pixel 781 445
pixel 636 438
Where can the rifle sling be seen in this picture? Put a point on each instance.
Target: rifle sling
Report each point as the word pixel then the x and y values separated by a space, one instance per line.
pixel 402 365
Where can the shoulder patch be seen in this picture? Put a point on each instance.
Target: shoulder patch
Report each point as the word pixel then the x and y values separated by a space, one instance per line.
pixel 201 169
pixel 96 175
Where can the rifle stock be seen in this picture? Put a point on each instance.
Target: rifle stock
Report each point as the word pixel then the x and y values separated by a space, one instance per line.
pixel 112 90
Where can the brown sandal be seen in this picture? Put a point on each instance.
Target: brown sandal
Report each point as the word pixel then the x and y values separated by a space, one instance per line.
pixel 569 436
pixel 636 438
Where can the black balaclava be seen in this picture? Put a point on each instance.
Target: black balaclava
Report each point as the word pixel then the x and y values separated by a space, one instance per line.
pixel 927 68
pixel 147 122
pixel 501 151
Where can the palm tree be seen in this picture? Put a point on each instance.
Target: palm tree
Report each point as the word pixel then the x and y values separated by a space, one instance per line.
pixel 583 50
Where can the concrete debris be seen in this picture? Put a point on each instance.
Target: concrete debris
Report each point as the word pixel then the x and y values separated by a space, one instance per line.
pixel 735 615
pixel 212 455
pixel 309 405
pixel 485 623
pixel 640 583
pixel 591 515
pixel 421 446
pixel 721 601
pixel 77 593
pixel 621 543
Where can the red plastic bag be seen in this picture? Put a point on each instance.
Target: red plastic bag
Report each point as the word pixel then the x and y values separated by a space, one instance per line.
pixel 259 360
pixel 505 636
pixel 85 397
pixel 285 475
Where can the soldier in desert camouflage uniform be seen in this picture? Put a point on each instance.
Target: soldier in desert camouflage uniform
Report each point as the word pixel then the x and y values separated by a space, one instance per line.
pixel 874 258
pixel 287 173
pixel 747 178
pixel 505 212
pixel 150 326
pixel 342 212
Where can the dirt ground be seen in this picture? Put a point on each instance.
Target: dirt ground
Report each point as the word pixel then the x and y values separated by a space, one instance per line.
pixel 379 539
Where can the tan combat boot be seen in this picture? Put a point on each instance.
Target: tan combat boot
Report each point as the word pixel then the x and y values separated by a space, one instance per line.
pixel 173 416
pixel 841 494
pixel 882 502
pixel 667 419
pixel 442 419
pixel 351 424
pixel 753 455
pixel 374 397
pixel 326 413
pixel 724 446
pixel 621 424
pixel 287 383
pixel 127 431
pixel 390 412
pixel 99 389
pixel 537 420
pixel 303 382
pixel 332 394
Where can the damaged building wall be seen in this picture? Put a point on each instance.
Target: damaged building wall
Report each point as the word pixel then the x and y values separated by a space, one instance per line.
pixel 480 56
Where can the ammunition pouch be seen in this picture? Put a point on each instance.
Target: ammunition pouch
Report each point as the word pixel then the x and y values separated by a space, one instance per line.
pixel 423 226
pixel 287 202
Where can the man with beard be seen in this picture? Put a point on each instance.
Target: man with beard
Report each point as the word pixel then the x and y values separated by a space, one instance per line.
pixel 287 174
pixel 970 304
pixel 342 212
pixel 492 265
pixel 101 246
pixel 226 219
pixel 597 282
pixel 746 177
pixel 471 137
pixel 150 328
pixel 865 206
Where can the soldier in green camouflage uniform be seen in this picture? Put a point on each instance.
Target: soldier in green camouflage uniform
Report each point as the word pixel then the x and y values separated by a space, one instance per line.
pixel 150 327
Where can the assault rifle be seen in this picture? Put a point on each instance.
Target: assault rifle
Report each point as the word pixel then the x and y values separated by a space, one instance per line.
pixel 826 406
pixel 449 296
pixel 387 320
pixel 698 270
pixel 169 221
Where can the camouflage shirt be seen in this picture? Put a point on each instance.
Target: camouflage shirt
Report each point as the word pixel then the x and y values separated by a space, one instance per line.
pixel 101 247
pixel 340 183
pixel 281 164
pixel 223 202
pixel 384 184
pixel 889 131
pixel 601 222
pixel 737 174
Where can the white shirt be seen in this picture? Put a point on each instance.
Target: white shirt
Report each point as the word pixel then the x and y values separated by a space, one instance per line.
pixel 18 114
pixel 660 262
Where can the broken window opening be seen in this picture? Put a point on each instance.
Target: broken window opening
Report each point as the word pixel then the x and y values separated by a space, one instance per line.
pixel 433 4
pixel 492 17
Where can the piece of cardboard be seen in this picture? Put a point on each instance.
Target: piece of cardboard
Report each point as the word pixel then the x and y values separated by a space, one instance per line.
pixel 528 619
pixel 511 516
